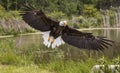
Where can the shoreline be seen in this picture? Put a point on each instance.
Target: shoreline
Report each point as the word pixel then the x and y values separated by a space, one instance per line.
pixel 98 28
pixel 82 29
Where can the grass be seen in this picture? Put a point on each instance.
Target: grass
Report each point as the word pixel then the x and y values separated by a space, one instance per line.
pixel 71 66
pixel 34 57
pixel 53 67
pixel 22 69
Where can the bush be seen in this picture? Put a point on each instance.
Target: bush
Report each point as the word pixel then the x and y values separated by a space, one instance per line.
pixel 57 15
pixel 90 10
pixel 85 22
pixel 2 8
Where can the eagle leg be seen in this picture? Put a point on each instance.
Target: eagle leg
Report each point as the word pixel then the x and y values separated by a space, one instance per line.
pixel 51 39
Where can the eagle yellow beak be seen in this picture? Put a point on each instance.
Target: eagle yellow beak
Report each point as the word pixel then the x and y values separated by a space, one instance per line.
pixel 65 23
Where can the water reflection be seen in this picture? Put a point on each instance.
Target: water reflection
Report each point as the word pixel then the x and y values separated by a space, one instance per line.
pixel 34 42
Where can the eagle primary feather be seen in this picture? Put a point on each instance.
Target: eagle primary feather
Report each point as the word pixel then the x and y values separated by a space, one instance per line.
pixel 38 20
pixel 85 40
pixel 50 27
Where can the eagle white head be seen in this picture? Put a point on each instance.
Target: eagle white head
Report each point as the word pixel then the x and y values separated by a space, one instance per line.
pixel 63 23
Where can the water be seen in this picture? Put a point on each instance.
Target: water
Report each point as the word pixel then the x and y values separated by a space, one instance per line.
pixel 33 44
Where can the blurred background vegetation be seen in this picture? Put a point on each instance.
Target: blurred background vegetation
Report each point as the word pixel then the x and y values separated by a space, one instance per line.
pixel 79 13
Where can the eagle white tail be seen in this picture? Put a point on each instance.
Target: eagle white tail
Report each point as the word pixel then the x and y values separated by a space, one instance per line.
pixel 57 42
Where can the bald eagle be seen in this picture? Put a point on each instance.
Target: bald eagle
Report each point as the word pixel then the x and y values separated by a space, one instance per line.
pixel 56 33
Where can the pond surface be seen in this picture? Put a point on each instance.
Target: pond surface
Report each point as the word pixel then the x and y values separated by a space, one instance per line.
pixel 34 43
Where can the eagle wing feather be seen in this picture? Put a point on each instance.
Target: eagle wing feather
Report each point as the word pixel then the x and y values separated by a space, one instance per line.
pixel 85 40
pixel 37 19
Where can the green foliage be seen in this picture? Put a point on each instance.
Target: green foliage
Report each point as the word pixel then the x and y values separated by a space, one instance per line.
pixel 65 9
pixel 86 22
pixel 90 1
pixel 11 23
pixel 8 14
pixel 70 66
pixel 90 10
pixel 22 69
pixel 40 57
pixel 69 7
pixel 2 8
pixel 57 15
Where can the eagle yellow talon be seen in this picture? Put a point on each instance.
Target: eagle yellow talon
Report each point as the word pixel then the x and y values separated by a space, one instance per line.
pixel 51 39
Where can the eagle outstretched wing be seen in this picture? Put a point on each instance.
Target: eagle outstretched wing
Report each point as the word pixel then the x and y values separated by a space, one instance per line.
pixel 85 40
pixel 37 19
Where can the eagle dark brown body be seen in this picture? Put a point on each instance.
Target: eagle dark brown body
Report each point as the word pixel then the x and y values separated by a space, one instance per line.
pixel 57 32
